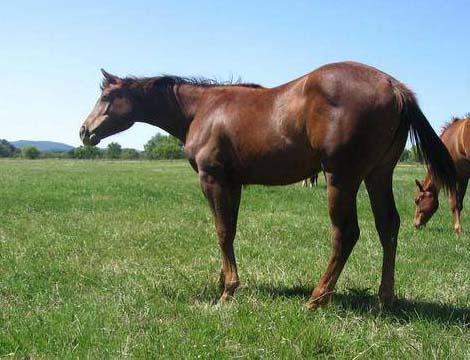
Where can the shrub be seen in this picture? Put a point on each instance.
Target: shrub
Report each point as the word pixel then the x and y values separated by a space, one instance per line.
pixel 113 151
pixel 86 152
pixel 164 147
pixel 53 155
pixel 30 152
pixel 130 154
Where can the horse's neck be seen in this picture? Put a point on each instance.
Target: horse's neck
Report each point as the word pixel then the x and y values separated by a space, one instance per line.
pixel 175 113
pixel 189 98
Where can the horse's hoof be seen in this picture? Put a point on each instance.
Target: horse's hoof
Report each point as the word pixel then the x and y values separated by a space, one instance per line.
pixel 229 290
pixel 312 305
pixel 225 298
pixel 318 301
pixel 386 301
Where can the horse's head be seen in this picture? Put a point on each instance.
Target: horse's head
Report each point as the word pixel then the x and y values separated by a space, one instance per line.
pixel 427 202
pixel 113 112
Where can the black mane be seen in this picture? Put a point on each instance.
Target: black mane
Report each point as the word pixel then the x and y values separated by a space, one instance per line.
pixel 170 80
pixel 204 82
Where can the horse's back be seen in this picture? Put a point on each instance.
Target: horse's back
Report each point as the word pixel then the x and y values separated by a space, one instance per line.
pixel 456 138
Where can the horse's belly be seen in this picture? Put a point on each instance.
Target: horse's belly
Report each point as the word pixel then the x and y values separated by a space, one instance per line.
pixel 278 169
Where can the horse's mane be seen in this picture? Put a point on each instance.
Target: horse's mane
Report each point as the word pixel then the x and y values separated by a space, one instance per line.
pixel 452 121
pixel 170 80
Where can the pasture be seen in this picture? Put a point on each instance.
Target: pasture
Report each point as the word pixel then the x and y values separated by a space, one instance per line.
pixel 102 259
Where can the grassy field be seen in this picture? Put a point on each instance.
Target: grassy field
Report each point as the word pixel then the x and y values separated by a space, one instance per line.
pixel 120 259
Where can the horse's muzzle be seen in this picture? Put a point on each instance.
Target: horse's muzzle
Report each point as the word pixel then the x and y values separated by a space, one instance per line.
pixel 418 225
pixel 87 138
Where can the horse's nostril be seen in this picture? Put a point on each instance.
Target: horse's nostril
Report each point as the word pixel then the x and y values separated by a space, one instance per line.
pixel 83 132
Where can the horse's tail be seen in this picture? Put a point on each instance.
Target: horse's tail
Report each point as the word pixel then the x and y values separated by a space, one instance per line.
pixel 428 145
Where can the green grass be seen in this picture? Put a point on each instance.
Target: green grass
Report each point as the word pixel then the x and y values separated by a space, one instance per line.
pixel 120 259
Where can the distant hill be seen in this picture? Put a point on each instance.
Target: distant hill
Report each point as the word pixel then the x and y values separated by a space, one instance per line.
pixel 42 145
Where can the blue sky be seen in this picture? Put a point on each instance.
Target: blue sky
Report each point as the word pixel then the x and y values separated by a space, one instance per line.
pixel 51 51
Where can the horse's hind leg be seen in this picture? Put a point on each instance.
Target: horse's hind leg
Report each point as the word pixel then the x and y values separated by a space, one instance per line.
pixel 387 222
pixel 345 232
pixel 224 200
pixel 456 203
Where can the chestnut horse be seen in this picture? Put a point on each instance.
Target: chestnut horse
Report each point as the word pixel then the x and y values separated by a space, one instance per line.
pixel 456 137
pixel 348 118
pixel 312 180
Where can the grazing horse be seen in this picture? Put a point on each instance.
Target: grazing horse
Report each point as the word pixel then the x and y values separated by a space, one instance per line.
pixel 312 180
pixel 456 137
pixel 350 119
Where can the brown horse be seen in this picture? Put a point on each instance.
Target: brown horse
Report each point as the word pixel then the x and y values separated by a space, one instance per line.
pixel 456 137
pixel 312 180
pixel 347 118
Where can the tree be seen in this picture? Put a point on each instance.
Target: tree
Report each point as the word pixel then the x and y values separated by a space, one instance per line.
pixel 414 156
pixel 405 155
pixel 30 152
pixel 164 147
pixel 410 155
pixel 6 149
pixel 130 154
pixel 113 151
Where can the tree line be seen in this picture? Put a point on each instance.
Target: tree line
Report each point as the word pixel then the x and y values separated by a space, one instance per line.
pixel 159 147
pixel 410 155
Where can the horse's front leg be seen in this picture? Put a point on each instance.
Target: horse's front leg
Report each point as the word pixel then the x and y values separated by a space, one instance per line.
pixel 224 200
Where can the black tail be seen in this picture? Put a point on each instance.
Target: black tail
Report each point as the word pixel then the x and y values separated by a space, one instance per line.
pixel 429 146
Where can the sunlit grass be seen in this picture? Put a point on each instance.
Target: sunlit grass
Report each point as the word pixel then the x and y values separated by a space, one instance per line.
pixel 120 259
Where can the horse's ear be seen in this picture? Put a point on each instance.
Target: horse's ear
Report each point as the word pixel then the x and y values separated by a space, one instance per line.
pixel 419 185
pixel 110 78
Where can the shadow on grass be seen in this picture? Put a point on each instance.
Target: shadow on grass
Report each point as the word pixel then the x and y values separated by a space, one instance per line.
pixel 362 301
